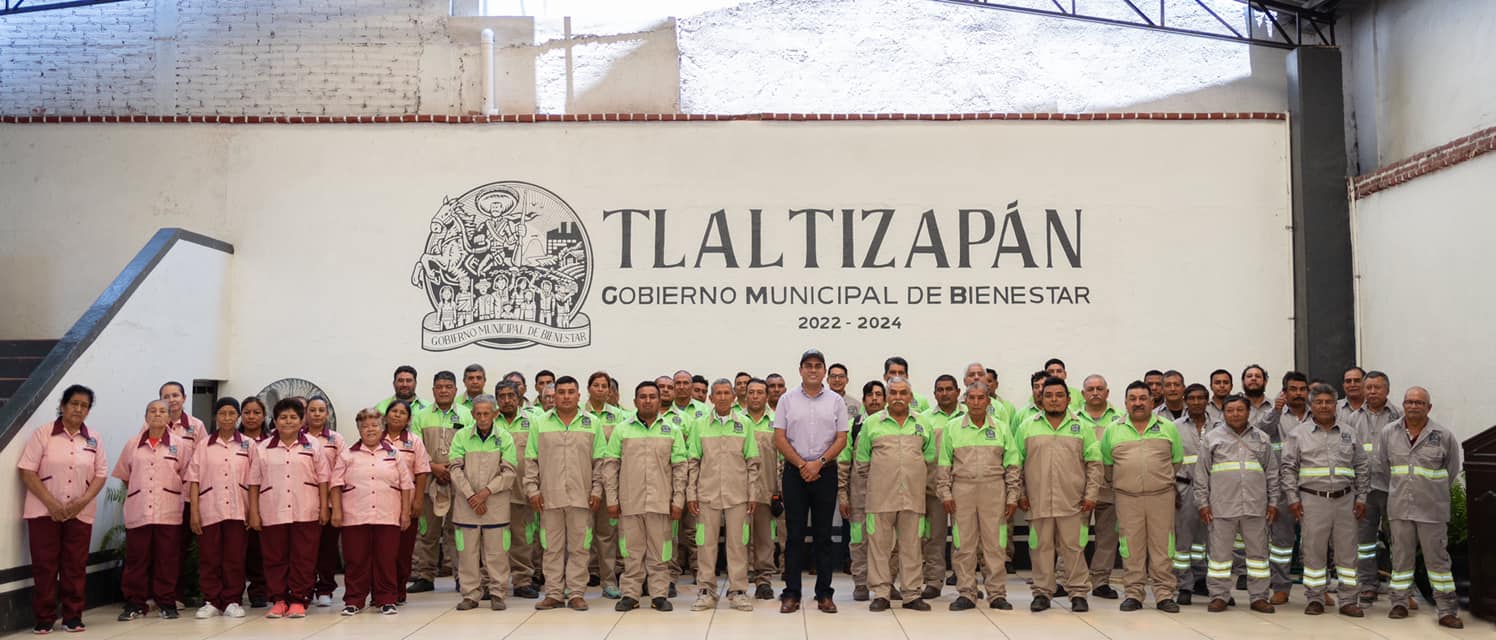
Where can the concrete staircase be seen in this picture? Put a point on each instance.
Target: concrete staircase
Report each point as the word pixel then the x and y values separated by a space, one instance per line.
pixel 18 359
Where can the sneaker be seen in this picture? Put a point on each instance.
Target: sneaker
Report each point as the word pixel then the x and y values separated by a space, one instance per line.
pixel 763 592
pixel 42 628
pixel 170 613
pixel 207 611
pixel 234 610
pixel 389 610
pixel 740 601
pixel 350 610
pixel 74 625
pixel 467 604
pixel 324 600
pixel 704 601
pixel 626 604
pixel 278 610
pixel 296 611
pixel 612 593
pixel 130 613
pixel 420 585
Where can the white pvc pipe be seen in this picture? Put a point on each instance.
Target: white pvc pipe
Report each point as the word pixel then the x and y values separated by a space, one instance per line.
pixel 490 102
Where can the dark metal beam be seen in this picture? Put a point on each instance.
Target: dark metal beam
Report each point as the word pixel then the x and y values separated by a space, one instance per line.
pixel 13 7
pixel 1320 22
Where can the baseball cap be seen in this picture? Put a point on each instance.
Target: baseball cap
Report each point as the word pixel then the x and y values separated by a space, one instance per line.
pixel 812 353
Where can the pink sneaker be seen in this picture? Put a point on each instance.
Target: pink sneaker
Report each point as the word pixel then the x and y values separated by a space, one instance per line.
pixel 277 611
pixel 297 611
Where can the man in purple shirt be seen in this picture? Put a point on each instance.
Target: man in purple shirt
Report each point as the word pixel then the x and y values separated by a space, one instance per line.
pixel 810 429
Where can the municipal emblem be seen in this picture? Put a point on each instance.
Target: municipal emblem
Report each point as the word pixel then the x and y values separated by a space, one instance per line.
pixel 506 265
pixel 171 449
pixel 737 427
pixel 244 445
pixel 586 421
pixel 1075 428
pixel 1433 438
pixel 991 434
pixel 91 442
pixel 1345 436
pixel 664 428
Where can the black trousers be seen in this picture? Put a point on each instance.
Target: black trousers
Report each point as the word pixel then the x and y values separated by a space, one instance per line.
pixel 815 503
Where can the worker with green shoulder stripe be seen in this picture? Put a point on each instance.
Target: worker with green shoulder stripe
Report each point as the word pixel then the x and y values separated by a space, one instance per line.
pixel 898 367
pixel 1055 368
pixel 1143 454
pixel 1035 405
pixel 563 480
pixel 1062 474
pixel 947 409
pixel 1422 458
pixel 644 477
pixel 604 561
pixel 1097 414
pixel 524 523
pixel 979 481
pixel 722 478
pixel 896 444
pixel 760 420
pixel 851 491
pixel 1236 488
pixel 482 460
pixel 693 412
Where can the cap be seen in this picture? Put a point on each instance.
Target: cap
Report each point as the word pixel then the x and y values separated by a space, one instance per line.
pixel 812 353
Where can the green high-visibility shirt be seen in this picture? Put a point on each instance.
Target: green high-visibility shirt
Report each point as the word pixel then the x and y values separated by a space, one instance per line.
pixel 456 417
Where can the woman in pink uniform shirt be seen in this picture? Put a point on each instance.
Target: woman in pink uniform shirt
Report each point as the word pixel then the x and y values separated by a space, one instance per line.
pixel 217 481
pixel 288 506
pixel 413 453
pixel 63 469
pixel 253 425
pixel 151 466
pixel 333 444
pixel 372 490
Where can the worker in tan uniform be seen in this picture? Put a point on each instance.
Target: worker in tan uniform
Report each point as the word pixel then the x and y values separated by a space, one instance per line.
pixel 482 460
pixel 1325 479
pixel 851 495
pixel 721 478
pixel 947 409
pixel 896 445
pixel 979 481
pixel 1143 453
pixel 524 523
pixel 756 414
pixel 564 483
pixel 1097 414
pixel 604 564
pixel 645 472
pixel 1062 474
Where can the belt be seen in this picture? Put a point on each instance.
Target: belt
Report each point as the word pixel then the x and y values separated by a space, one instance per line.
pixel 1330 495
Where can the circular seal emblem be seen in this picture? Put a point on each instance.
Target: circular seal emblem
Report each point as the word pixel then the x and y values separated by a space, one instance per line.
pixel 506 265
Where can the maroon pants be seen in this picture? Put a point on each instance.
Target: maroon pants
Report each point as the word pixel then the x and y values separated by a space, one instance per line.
pixel 327 562
pixel 59 558
pixel 153 558
pixel 403 557
pixel 290 552
pixel 368 565
pixel 220 555
pixel 254 568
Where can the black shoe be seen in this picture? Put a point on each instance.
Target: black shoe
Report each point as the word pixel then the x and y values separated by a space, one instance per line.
pixel 930 593
pixel 878 604
pixel 917 605
pixel 193 602
pixel 951 581
pixel 487 596
pixel 420 585
pixel 1131 604
pixel 1008 567
pixel 860 594
pixel 661 604
pixel 673 592
pixel 130 613
pixel 1168 606
pixel 258 604
pixel 1241 583
pixel 528 593
pixel 1000 604
pixel 1079 605
pixel 42 628
pixel 1201 589
pixel 894 594
pixel 1185 598
pixel 1060 592
pixel 73 625
pixel 593 581
pixel 1040 603
pixel 764 592
pixel 170 613
pixel 1105 591
pixel 626 604
pixel 962 604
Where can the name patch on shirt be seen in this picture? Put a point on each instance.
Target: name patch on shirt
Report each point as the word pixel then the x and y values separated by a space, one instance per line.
pixel 1433 438
pixel 1075 428
pixel 1153 429
pixel 244 445
pixel 586 421
pixel 664 428
pixel 737 427
pixel 991 434
pixel 1345 437
pixel 92 443
pixel 171 449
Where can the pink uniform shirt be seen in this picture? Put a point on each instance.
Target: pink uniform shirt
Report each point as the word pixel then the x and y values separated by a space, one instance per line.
pixel 221 470
pixel 66 465
pixel 190 434
pixel 371 481
pixel 412 451
pixel 333 445
pixel 288 478
pixel 153 479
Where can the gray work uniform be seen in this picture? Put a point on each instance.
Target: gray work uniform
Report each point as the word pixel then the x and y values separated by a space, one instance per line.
pixel 1236 475
pixel 1281 532
pixel 1325 471
pixel 1420 472
pixel 1189 530
pixel 1369 425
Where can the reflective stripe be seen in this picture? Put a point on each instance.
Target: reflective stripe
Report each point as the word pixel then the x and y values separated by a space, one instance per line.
pixel 1250 465
pixel 1221 565
pixel 1345 472
pixel 1191 459
pixel 1346 575
pixel 1368 447
pixel 1258 573
pixel 1399 469
pixel 1256 564
pixel 1221 574
pixel 1181 565
pixel 1400 585
pixel 1432 474
pixel 1277 446
pixel 1314 472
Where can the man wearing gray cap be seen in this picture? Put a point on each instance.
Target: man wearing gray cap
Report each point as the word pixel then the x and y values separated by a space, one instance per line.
pixel 810 429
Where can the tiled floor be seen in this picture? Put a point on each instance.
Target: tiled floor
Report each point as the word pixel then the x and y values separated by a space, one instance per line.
pixel 431 616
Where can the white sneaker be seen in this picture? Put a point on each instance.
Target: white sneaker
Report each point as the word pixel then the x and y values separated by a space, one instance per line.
pixel 207 611
pixel 740 601
pixel 704 601
pixel 324 601
pixel 234 610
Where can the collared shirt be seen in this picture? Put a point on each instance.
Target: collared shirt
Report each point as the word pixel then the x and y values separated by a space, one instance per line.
pixel 768 472
pixel 979 453
pixel 1061 465
pixel 811 423
pixel 898 457
pixel 289 479
pixel 372 482
pixel 190 433
pixel 482 461
pixel 854 404
pixel 333 444
pixel 412 452
pixel 66 464
pixel 1142 462
pixel 153 478
pixel 645 466
pixel 1105 495
pixel 1420 470
pixel 1190 437
pixel 561 460
pixel 938 418
pixel 519 432
pixel 1323 460
pixel 724 462
pixel 416 404
pixel 1369 425
pixel 1165 411
pixel 221 470
pixel 455 417
pixel 1236 475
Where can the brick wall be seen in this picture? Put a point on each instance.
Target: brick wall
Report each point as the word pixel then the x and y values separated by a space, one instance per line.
pixel 89 60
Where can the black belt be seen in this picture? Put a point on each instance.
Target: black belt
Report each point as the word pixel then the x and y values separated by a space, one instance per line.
pixel 1329 495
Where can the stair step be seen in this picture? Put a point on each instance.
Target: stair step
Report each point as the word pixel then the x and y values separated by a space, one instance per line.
pixel 26 348
pixel 19 366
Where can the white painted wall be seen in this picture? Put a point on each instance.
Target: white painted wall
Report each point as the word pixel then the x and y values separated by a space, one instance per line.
pixel 175 326
pixel 1419 74
pixel 1423 292
pixel 327 222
